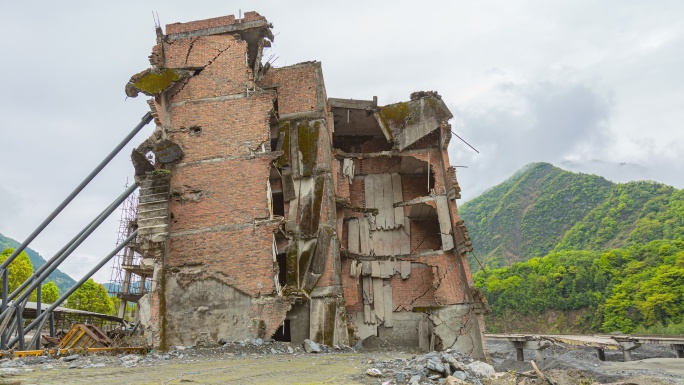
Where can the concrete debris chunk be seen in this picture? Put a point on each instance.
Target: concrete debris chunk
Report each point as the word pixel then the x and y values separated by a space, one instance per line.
pixel 311 346
pixel 481 369
pixel 70 358
pixel 374 372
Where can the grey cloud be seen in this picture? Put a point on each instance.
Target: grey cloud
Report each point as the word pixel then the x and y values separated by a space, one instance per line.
pixel 531 122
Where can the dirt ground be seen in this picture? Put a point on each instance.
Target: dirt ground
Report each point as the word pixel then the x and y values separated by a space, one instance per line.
pixel 275 364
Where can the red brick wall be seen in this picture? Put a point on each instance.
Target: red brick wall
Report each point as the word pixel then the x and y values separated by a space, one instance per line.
pixel 446 278
pixel 425 235
pixel 241 258
pixel 352 288
pixel 228 128
pixel 378 165
pixel 227 73
pixel 296 87
pixel 227 201
pixel 210 23
pixel 414 186
pixel 272 313
pixel 416 291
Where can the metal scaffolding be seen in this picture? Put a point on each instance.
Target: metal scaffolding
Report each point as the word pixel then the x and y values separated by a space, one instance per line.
pixel 130 277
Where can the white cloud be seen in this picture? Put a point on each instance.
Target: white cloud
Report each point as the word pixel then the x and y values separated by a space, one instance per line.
pixel 595 83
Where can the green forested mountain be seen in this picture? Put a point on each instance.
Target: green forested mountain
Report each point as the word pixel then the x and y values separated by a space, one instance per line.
pixel 574 252
pixel 63 281
pixel 543 208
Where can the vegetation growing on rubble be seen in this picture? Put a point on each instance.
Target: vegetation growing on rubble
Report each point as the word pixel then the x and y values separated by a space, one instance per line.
pixel 155 82
pixel 395 115
pixel 610 254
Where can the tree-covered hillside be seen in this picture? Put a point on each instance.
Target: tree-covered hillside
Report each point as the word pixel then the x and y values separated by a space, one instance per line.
pixel 63 281
pixel 557 243
pixel 528 215
pixel 641 286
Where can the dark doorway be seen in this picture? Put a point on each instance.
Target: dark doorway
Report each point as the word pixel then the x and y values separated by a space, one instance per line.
pixel 282 269
pixel 283 332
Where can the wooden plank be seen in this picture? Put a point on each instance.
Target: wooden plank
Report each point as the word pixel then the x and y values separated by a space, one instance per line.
pixel 364 236
pixel 389 306
pixel 353 235
pixel 378 299
pixel 405 269
pixel 444 222
pixel 398 197
pixel 388 200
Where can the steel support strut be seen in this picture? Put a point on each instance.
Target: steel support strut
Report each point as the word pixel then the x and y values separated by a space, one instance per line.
pixel 144 121
pixel 30 284
pixel 78 284
pixel 76 241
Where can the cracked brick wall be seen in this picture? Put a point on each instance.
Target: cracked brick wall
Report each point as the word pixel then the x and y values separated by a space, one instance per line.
pixel 283 204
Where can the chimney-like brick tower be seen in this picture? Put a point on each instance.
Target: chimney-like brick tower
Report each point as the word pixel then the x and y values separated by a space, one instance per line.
pixel 268 210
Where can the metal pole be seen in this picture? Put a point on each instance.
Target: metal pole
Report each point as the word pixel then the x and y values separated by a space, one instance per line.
pixel 5 289
pixel 39 295
pixel 144 121
pixel 60 256
pixel 52 324
pixel 20 330
pixel 43 276
pixel 78 284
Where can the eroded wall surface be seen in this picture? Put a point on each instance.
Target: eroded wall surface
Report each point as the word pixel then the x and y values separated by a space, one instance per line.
pixel 270 210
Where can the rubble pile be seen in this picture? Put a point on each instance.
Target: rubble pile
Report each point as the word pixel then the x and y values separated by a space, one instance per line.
pixel 449 367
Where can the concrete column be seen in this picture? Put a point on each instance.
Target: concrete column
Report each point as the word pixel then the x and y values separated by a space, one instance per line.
pixel 679 350
pixel 601 354
pixel 539 355
pixel 627 348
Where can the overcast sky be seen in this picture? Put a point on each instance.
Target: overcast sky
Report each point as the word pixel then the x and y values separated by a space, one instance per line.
pixel 590 86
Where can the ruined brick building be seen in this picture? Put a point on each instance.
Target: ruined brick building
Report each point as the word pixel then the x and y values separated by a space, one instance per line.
pixel 270 210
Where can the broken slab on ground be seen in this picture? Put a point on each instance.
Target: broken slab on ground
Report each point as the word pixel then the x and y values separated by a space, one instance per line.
pixel 278 212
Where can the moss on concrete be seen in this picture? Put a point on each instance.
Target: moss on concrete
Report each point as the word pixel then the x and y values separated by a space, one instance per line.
pixel 308 145
pixel 155 82
pixel 284 159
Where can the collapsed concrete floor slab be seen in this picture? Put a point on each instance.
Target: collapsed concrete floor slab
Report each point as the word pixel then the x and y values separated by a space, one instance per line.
pixel 271 210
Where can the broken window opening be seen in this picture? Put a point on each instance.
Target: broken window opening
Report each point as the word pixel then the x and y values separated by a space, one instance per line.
pixel 278 204
pixel 283 332
pixel 194 131
pixel 282 269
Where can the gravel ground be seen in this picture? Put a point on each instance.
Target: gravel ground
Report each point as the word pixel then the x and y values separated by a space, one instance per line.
pixel 267 362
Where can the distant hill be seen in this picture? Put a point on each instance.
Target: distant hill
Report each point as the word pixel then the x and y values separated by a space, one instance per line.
pixel 63 281
pixel 574 253
pixel 542 208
